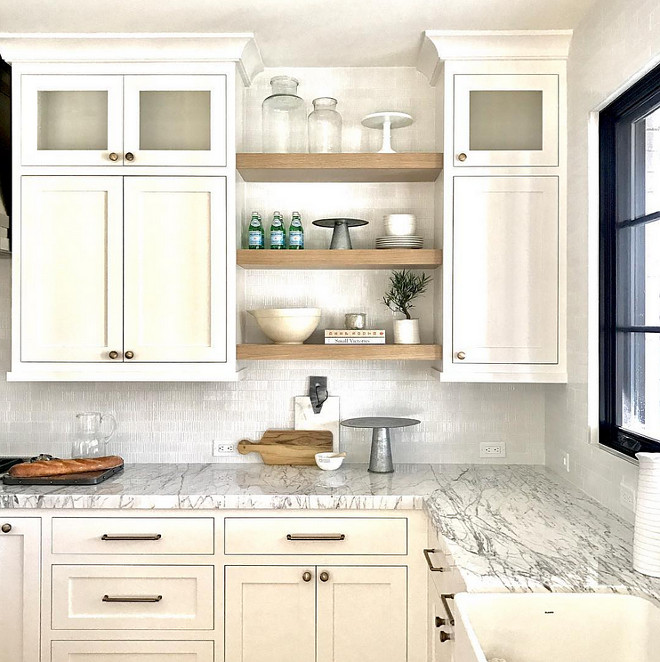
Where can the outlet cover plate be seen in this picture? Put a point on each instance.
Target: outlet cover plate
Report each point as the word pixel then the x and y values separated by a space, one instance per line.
pixel 492 449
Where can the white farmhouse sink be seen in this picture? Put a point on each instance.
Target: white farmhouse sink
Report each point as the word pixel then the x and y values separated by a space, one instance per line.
pixel 556 627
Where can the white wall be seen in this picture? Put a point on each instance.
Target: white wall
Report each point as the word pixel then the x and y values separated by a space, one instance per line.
pixel 177 422
pixel 615 41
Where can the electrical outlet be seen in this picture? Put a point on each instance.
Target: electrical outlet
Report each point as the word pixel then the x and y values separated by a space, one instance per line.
pixel 627 497
pixel 492 449
pixel 566 461
pixel 223 448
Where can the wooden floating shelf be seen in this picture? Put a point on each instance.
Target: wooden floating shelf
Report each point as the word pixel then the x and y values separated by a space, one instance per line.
pixel 406 167
pixel 264 352
pixel 423 258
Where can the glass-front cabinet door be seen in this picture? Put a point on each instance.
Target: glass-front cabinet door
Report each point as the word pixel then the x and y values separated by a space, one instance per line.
pixel 506 120
pixel 71 120
pixel 175 120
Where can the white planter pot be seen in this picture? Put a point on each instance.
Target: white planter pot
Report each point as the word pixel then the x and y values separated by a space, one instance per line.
pixel 406 332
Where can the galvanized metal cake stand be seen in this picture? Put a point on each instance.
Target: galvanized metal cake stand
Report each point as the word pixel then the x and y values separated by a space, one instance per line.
pixel 341 238
pixel 381 449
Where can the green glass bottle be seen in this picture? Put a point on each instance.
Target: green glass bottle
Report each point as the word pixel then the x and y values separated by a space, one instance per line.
pixel 277 232
pixel 255 232
pixel 296 233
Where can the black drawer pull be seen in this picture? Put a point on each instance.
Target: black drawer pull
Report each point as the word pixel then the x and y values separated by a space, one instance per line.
pixel 131 536
pixel 132 598
pixel 315 536
pixel 429 562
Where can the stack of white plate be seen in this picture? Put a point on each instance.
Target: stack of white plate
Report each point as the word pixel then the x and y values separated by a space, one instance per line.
pixel 410 241
pixel 646 547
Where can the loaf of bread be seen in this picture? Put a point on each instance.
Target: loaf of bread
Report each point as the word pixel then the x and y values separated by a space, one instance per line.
pixel 44 468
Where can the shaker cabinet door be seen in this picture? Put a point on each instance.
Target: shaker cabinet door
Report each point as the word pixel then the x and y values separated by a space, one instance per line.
pixel 20 587
pixel 71 120
pixel 175 257
pixel 269 614
pixel 506 120
pixel 362 614
pixel 71 268
pixel 505 270
pixel 175 120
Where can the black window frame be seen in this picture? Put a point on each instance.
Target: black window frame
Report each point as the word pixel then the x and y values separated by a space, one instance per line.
pixel 617 156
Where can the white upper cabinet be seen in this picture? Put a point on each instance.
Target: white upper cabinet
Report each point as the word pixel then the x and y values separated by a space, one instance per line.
pixel 149 120
pixel 70 268
pixel 175 120
pixel 71 120
pixel 506 120
pixel 175 266
pixel 506 270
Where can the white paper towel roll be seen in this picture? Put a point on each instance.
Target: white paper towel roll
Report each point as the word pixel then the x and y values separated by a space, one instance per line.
pixel 646 546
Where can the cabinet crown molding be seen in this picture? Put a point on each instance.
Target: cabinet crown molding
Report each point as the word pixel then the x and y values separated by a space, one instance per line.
pixel 240 48
pixel 441 45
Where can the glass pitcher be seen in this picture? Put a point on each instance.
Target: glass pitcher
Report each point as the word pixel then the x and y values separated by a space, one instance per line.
pixel 89 442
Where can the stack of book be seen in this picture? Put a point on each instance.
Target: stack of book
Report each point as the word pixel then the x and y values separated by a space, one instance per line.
pixel 354 336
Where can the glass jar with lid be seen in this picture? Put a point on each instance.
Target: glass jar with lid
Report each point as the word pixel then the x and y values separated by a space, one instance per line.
pixel 284 117
pixel 324 126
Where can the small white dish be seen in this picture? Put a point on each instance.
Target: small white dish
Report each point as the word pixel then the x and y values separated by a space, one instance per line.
pixel 329 461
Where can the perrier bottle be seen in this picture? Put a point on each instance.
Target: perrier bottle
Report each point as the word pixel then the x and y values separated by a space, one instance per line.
pixel 255 232
pixel 296 233
pixel 277 232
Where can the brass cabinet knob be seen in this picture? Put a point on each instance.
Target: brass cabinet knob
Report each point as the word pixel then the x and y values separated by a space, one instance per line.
pixel 461 157
pixel 324 576
pixel 129 156
pixel 307 576
pixel 439 622
pixel 113 156
pixel 113 354
pixel 444 636
pixel 6 528
pixel 460 356
pixel 129 354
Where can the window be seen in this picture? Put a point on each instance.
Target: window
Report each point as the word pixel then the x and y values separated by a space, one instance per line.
pixel 630 269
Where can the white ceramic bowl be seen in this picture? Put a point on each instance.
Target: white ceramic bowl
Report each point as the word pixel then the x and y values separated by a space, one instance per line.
pixel 287 326
pixel 327 463
pixel 399 225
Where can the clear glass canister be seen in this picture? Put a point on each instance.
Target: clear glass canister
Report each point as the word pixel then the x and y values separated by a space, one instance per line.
pixel 284 117
pixel 324 126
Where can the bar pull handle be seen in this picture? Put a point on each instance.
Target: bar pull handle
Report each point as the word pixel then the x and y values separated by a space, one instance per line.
pixel 131 536
pixel 444 597
pixel 429 561
pixel 297 537
pixel 132 598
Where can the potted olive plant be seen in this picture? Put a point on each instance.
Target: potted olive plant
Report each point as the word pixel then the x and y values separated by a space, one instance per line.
pixel 405 287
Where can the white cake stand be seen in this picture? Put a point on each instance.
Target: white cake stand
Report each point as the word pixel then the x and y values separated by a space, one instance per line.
pixel 387 120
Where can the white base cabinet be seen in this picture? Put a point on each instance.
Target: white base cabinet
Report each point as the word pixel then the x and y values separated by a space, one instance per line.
pixel 20 588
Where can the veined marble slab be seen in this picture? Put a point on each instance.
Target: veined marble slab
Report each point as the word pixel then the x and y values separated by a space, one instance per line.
pixel 507 528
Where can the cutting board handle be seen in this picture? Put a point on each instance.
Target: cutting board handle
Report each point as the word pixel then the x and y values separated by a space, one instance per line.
pixel 245 446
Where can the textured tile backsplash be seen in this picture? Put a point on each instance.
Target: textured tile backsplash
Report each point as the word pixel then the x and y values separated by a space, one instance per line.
pixel 172 422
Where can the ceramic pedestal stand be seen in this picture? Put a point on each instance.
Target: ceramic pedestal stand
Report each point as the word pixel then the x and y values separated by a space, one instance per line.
pixel 387 121
pixel 381 449
pixel 341 238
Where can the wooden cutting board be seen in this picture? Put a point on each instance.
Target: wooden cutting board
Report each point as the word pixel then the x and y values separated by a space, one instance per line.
pixel 293 447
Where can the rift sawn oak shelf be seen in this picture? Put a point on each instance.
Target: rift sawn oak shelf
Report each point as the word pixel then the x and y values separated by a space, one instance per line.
pixel 271 352
pixel 396 258
pixel 350 167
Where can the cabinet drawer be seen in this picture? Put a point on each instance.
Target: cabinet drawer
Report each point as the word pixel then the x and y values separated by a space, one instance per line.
pixel 316 535
pixel 132 651
pixel 133 535
pixel 113 597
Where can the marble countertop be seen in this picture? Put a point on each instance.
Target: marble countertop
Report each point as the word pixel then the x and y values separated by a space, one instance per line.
pixel 507 527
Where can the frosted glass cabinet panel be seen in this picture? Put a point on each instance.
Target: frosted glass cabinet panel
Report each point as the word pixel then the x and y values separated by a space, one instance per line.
pixel 506 270
pixel 506 120
pixel 175 120
pixel 71 120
